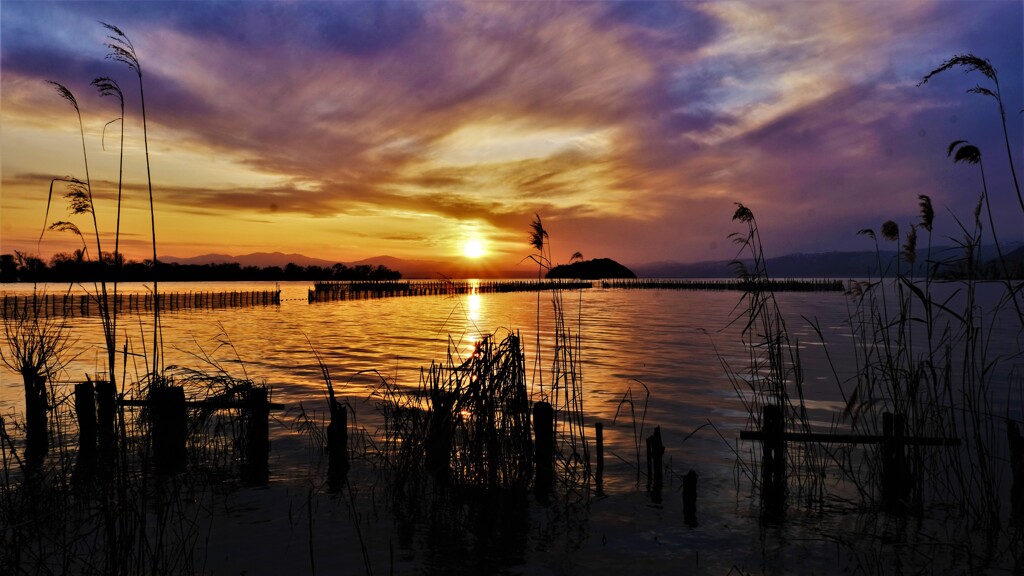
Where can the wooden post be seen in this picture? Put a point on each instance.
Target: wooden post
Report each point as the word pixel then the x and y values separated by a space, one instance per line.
pixel 439 437
pixel 106 412
pixel 544 446
pixel 37 442
pixel 894 462
pixel 1017 467
pixel 170 428
pixel 599 477
pixel 690 499
pixel 773 469
pixel 257 449
pixel 85 411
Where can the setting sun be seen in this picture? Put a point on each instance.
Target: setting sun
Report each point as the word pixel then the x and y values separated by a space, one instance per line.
pixel 473 248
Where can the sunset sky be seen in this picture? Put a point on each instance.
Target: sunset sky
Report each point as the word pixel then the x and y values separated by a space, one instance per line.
pixel 347 130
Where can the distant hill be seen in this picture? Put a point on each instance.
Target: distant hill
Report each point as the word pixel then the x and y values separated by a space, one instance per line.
pixel 595 269
pixel 861 264
pixel 260 259
pixel 410 269
pixel 853 264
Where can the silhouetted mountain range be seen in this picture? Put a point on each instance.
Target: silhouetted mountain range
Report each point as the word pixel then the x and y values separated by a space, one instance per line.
pixel 854 264
pixel 842 265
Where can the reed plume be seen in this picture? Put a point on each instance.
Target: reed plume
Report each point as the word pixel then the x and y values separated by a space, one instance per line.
pixel 122 50
pixel 972 63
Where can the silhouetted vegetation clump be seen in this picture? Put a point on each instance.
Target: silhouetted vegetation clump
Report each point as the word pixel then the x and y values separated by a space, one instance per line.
pixel 596 269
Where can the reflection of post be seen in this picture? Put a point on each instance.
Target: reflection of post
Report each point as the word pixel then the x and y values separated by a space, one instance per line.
pixel 599 435
pixel 655 451
pixel 773 469
pixel 1017 467
pixel 544 443
pixel 690 499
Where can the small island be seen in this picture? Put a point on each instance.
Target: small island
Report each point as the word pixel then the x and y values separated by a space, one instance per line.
pixel 596 269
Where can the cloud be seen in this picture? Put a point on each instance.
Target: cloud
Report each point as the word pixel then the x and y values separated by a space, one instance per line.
pixel 644 118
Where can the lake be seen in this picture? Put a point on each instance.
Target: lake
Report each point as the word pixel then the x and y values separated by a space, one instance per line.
pixel 670 344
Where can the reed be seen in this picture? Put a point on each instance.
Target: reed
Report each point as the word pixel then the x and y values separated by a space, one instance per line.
pixel 773 375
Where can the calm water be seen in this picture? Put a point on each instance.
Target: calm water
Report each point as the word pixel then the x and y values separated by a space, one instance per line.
pixel 665 340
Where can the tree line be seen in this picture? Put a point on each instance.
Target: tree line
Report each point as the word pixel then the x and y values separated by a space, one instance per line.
pixel 76 267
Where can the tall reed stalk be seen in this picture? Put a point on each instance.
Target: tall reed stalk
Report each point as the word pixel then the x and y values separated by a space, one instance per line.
pixel 122 50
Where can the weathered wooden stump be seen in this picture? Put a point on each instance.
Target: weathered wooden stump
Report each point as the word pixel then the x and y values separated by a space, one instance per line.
pixel 439 439
pixel 169 428
pixel 544 446
pixel 255 469
pixel 37 441
pixel 106 412
pixel 85 413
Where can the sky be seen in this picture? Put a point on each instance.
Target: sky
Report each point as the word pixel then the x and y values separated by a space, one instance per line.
pixel 349 130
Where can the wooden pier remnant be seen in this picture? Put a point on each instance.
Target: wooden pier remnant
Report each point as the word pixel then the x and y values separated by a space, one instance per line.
pixel 71 305
pixel 342 290
pixel 894 480
pixel 775 285
pixel 168 411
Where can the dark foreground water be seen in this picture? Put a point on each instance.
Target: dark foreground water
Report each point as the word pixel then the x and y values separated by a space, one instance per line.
pixel 648 358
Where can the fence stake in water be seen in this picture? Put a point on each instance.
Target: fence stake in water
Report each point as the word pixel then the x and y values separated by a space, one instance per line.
pixel 106 411
pixel 544 446
pixel 255 471
pixel 85 411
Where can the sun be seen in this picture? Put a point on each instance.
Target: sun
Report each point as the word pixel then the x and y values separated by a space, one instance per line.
pixel 473 248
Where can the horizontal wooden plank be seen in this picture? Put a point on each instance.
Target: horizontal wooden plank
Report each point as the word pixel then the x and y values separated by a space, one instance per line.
pixel 215 404
pixel 847 438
